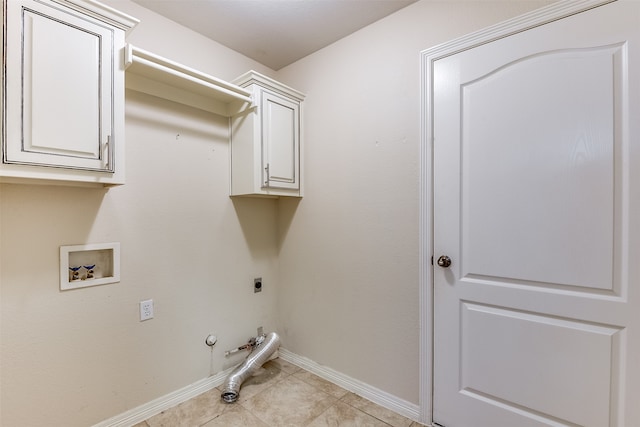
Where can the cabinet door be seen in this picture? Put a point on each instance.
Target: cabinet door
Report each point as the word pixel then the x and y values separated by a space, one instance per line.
pixel 59 88
pixel 280 142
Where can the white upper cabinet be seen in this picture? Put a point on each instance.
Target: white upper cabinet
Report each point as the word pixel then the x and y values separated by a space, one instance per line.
pixel 63 90
pixel 266 145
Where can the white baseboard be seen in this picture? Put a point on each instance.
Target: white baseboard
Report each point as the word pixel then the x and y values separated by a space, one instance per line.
pixel 377 396
pixel 147 410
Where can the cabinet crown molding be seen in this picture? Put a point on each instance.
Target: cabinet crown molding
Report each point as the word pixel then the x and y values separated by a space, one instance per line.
pixel 102 12
pixel 253 77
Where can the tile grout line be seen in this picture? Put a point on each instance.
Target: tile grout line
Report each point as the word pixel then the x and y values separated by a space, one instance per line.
pixel 307 377
pixel 285 376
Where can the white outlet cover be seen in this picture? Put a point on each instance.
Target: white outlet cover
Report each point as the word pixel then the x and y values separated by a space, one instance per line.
pixel 146 310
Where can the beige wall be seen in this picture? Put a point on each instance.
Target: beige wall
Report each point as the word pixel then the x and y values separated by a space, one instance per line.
pixel 349 259
pixel 78 357
pixel 340 268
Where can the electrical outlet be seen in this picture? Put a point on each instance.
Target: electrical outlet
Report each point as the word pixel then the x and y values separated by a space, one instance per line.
pixel 146 310
pixel 257 284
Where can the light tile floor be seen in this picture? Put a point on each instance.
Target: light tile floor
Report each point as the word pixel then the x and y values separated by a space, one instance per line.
pixel 283 395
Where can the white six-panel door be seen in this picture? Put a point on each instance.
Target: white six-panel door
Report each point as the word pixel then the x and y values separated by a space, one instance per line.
pixel 536 201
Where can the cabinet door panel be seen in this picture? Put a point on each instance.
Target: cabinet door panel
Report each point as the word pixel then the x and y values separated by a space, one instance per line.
pixel 65 92
pixel 280 144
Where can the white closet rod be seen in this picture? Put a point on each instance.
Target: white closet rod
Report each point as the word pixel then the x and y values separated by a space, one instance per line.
pixel 148 59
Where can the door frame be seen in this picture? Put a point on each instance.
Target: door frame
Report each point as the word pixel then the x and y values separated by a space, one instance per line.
pixel 521 23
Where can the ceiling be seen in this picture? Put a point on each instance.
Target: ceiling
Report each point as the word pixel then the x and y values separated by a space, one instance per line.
pixel 275 33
